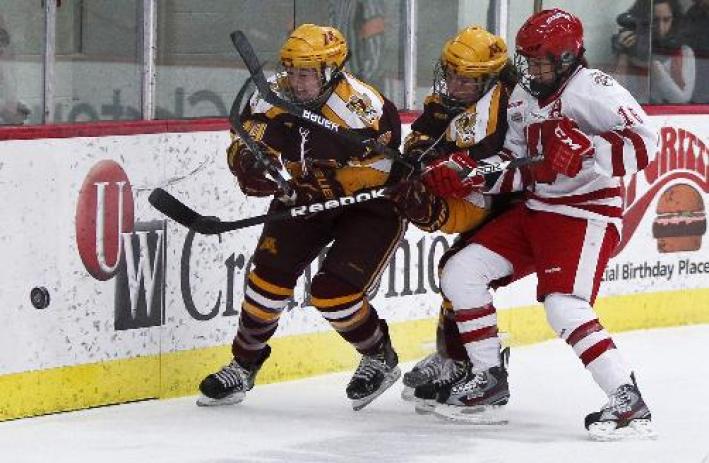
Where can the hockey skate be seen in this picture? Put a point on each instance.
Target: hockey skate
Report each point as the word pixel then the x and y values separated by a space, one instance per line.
pixel 625 416
pixel 374 375
pixel 477 397
pixel 425 371
pixel 229 385
pixel 425 394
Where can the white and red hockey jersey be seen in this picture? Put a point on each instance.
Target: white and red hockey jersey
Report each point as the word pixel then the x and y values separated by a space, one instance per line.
pixel 624 139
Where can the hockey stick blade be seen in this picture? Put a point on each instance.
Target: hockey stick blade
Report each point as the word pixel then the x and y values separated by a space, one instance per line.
pixel 173 207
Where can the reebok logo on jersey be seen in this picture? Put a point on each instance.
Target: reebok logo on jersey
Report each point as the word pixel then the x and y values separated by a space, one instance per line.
pixel 338 202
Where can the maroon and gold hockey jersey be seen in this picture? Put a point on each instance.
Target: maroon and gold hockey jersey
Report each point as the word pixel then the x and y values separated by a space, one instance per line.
pixel 479 129
pixel 298 143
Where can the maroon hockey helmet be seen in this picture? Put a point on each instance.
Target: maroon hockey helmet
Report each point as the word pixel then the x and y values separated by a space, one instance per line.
pixel 554 34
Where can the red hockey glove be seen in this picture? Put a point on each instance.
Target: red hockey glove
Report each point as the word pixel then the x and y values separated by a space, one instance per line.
pixel 249 172
pixel 448 177
pixel 421 207
pixel 565 146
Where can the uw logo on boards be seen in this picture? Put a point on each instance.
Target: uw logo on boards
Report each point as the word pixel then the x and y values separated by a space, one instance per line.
pixel 113 246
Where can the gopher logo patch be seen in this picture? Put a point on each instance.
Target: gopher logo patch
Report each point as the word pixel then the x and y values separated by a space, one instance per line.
pixel 361 105
pixel 464 126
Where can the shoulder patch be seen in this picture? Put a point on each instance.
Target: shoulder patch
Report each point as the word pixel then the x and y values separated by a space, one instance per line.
pixel 362 106
pixel 601 78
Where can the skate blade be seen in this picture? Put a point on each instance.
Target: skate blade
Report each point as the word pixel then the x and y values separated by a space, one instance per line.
pixel 606 431
pixel 389 379
pixel 424 407
pixel 488 415
pixel 233 399
pixel 407 394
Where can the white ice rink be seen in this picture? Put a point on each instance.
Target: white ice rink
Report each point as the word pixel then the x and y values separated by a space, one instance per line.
pixel 311 420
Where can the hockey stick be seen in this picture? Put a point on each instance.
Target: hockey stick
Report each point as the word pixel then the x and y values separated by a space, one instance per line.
pixel 206 225
pixel 264 160
pixel 246 51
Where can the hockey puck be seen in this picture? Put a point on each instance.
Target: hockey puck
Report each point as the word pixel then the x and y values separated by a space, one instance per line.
pixel 39 296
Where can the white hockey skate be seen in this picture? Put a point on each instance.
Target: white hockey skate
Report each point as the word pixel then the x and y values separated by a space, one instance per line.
pixel 477 397
pixel 624 417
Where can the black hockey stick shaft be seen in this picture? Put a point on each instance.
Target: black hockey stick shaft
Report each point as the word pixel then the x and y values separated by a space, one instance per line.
pixel 205 225
pixel 246 51
pixel 264 160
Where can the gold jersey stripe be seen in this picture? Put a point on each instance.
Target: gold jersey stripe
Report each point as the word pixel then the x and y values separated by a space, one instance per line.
pixel 269 287
pixel 274 111
pixel 332 115
pixel 343 90
pixel 357 319
pixel 325 303
pixel 259 313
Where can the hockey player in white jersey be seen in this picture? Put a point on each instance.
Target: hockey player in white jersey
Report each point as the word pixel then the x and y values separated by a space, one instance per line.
pixel 590 132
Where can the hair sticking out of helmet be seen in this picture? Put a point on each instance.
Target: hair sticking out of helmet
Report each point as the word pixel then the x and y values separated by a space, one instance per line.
pixel 548 38
pixel 470 65
pixel 312 49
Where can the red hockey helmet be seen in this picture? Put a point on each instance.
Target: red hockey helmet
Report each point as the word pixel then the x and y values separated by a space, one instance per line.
pixel 551 33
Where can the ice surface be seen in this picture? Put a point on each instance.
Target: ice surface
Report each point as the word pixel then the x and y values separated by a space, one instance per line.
pixel 311 420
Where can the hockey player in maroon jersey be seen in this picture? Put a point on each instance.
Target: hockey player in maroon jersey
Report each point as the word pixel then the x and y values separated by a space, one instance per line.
pixel 463 121
pixel 322 167
pixel 590 132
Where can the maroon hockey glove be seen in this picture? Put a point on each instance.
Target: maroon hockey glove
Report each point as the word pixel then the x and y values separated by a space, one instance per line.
pixel 448 177
pixel 565 146
pixel 249 172
pixel 421 207
pixel 319 184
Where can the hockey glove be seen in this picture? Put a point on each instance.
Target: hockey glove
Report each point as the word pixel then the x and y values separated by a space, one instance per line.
pixel 448 177
pixel 421 207
pixel 318 184
pixel 565 146
pixel 249 172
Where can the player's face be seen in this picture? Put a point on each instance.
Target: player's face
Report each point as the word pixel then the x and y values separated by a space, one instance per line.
pixel 305 83
pixel 464 89
pixel 541 70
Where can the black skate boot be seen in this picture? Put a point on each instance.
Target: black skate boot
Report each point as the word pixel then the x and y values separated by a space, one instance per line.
pixel 625 416
pixel 477 396
pixel 229 385
pixel 425 394
pixel 374 375
pixel 425 371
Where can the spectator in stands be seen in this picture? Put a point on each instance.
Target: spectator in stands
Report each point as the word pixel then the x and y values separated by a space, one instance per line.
pixel 697 33
pixel 12 111
pixel 671 65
